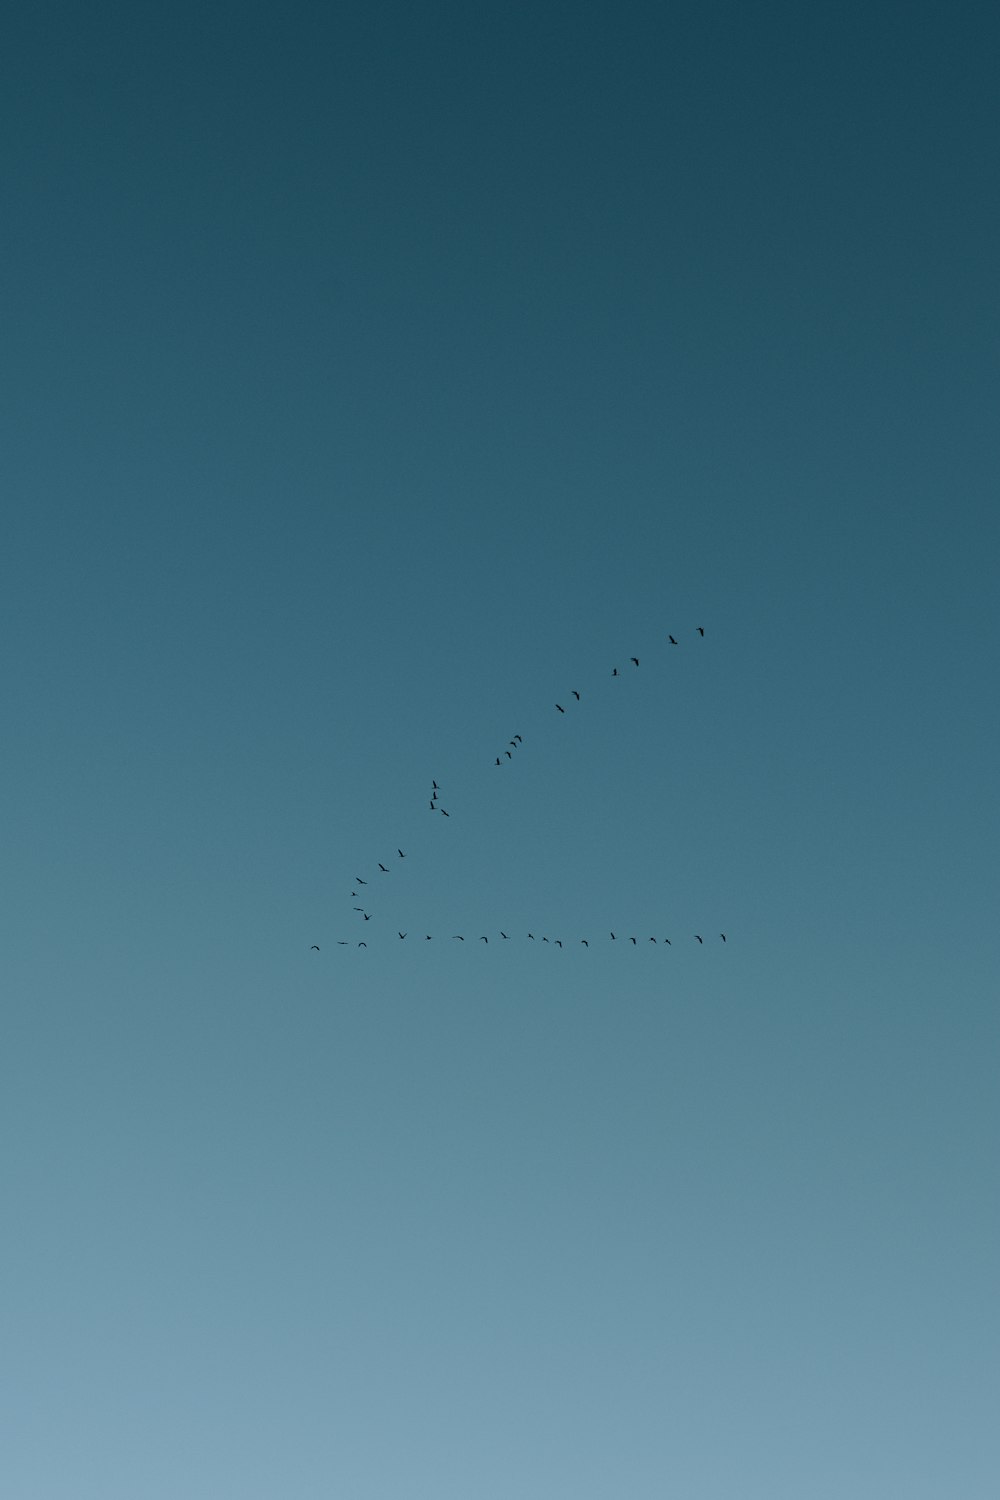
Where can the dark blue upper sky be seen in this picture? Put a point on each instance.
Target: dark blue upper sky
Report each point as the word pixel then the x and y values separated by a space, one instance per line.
pixel 374 376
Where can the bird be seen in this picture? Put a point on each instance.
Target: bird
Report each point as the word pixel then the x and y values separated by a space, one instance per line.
pixel 427 937
pixel 402 934
pixel 504 935
pixel 400 853
pixel 576 695
pixel 359 908
pixel 498 760
pixel 367 917
pixel 532 936
pixel 671 640
pixel 632 940
pixel 434 796
pixel 435 786
pixel 558 942
pixel 634 659
pixel 508 755
pixel 584 942
pixel 314 948
pixel 614 672
pixel 668 942
pixel 544 939
pixel 457 937
pixel 700 939
pixel 518 738
pixel 701 630
pixel 484 939
pixel 512 742
pixel 652 940
pixel 613 937
pixel 359 881
pixel 341 942
pixel 445 814
pixel 560 708
pixel 362 944
pixel 383 868
pixel 722 936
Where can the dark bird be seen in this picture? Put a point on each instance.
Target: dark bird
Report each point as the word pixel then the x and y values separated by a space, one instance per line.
pixel 362 945
pixel 700 630
pixel 576 695
pixel 435 786
pixel 668 942
pixel 532 936
pixel 484 939
pixel 544 939
pixel 402 934
pixel 614 672
pixel 722 936
pixel 700 939
pixel 558 942
pixel 457 937
pixel 632 940
pixel 383 869
pixel 367 917
pixel 508 755
pixel 445 814
pixel 359 881
pixel 518 738
pixel 400 853
pixel 584 942
pixel 634 659
pixel 434 796
pixel 498 760
pixel 314 948
pixel 560 708
pixel 427 937
pixel 652 940
pixel 671 640
pixel 512 742
pixel 504 935
pixel 341 942
pixel 613 936
pixel 359 908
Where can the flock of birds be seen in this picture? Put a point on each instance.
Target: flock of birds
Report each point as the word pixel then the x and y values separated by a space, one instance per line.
pixel 434 803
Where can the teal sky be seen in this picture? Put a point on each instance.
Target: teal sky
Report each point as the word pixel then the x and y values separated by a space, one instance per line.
pixel 373 376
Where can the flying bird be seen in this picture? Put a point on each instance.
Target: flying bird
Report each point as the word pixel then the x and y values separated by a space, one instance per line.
pixel 700 939
pixel 544 939
pixel 457 937
pixel 484 939
pixel 560 708
pixel 671 640
pixel 613 936
pixel 512 742
pixel 498 760
pixel 518 738
pixel 576 695
pixel 383 868
pixel 632 940
pixel 433 808
pixel 722 936
pixel 584 942
pixel 367 917
pixel 532 936
pixel 668 942
pixel 508 755
pixel 435 786
pixel 427 937
pixel 504 935
pixel 341 942
pixel 635 659
pixel 700 630
pixel 558 942
pixel 314 948
pixel 402 934
pixel 359 881
pixel 359 908
pixel 652 940
pixel 362 945
pixel 445 814
pixel 400 853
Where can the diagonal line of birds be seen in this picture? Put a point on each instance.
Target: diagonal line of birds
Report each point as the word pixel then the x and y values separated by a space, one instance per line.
pixel 435 804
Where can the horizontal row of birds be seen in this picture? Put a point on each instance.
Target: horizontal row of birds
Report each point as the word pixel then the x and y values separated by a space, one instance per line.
pixel 435 806
pixel 458 937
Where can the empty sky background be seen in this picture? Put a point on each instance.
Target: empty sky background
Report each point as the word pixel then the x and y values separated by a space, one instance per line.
pixel 373 376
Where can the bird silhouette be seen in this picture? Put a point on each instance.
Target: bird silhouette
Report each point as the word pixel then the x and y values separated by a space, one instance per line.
pixel 504 935
pixel 362 944
pixel 400 853
pixel 614 672
pixel 498 760
pixel 544 939
pixel 532 936
pixel 457 937
pixel 434 796
pixel 700 630
pixel 560 708
pixel 359 908
pixel 383 869
pixel 518 738
pixel 700 939
pixel 484 939
pixel 435 786
pixel 652 940
pixel 722 936
pixel 508 755
pixel 558 942
pixel 445 814
pixel 613 936
pixel 668 942
pixel 427 937
pixel 359 881
pixel 513 743
pixel 367 917
pixel 576 695
pixel 632 940
pixel 671 640
pixel 402 934
pixel 584 942
pixel 314 948
pixel 635 659
pixel 342 943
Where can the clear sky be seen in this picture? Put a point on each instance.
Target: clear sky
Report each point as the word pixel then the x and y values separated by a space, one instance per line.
pixel 374 375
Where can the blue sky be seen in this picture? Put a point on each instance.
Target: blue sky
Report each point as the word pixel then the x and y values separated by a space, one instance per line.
pixel 372 378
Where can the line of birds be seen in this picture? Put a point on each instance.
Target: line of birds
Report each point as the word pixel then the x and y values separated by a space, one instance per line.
pixel 458 937
pixel 434 804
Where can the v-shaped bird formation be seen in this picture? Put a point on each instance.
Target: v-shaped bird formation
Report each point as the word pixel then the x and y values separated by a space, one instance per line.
pixel 506 757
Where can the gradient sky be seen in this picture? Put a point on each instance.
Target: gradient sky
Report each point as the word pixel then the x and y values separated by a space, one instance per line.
pixel 373 376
